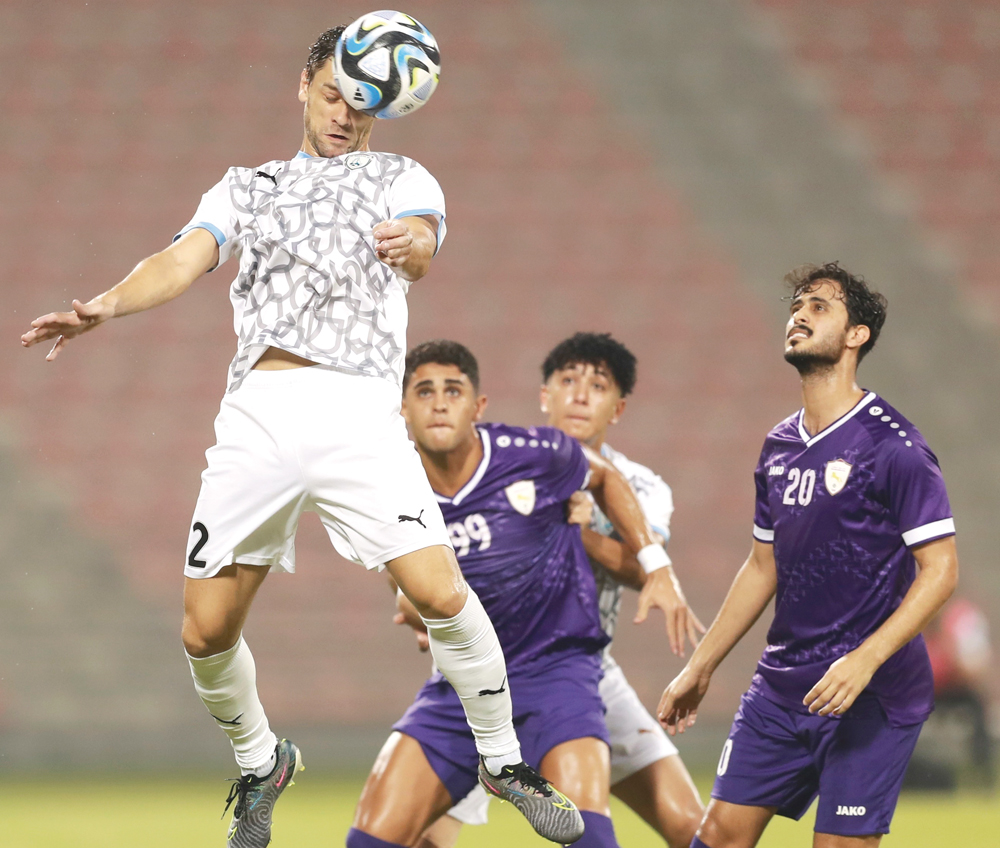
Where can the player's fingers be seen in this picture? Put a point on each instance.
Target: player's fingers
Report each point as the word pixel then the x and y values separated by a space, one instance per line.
pixel 697 621
pixel 52 354
pixel 692 629
pixel 846 704
pixel 397 252
pixel 832 702
pixel 822 684
pixel 673 632
pixel 666 705
pixel 692 717
pixel 423 642
pixel 823 698
pixel 399 618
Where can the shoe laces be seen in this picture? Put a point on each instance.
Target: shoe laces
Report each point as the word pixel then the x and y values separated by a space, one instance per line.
pixel 241 786
pixel 527 776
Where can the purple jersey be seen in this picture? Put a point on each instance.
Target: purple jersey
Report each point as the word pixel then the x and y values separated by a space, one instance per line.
pixel 843 508
pixel 528 566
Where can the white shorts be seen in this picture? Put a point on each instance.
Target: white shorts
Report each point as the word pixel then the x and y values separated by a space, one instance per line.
pixel 314 439
pixel 637 741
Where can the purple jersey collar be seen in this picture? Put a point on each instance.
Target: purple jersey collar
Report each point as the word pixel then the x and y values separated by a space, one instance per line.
pixel 811 440
pixel 474 480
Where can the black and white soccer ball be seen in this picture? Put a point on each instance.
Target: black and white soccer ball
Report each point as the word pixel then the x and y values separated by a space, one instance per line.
pixel 386 64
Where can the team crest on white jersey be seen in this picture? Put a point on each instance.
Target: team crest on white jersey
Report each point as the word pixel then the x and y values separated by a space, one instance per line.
pixel 521 496
pixel 837 472
pixel 357 160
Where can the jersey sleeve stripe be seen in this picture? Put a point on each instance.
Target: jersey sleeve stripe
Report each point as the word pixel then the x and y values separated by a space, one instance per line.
pixel 437 213
pixel 762 535
pixel 927 532
pixel 665 534
pixel 204 225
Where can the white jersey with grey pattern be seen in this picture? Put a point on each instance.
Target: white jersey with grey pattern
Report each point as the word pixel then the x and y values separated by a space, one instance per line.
pixel 310 281
pixel 657 502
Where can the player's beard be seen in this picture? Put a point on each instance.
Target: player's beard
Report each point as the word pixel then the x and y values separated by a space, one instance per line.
pixel 316 140
pixel 819 359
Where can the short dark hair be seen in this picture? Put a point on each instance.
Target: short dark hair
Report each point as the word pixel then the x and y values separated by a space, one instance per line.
pixel 442 352
pixel 865 307
pixel 322 50
pixel 593 349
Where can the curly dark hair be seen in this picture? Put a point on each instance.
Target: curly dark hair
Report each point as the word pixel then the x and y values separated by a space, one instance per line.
pixel 594 349
pixel 322 50
pixel 865 307
pixel 442 352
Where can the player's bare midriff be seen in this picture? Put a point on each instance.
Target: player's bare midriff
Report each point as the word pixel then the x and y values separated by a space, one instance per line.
pixel 276 359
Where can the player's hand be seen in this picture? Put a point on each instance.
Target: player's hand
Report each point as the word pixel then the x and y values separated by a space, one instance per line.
pixel 662 590
pixel 393 243
pixel 844 680
pixel 63 326
pixel 579 509
pixel 678 709
pixel 407 614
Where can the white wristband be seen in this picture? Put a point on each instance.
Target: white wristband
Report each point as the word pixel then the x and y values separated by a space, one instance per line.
pixel 652 558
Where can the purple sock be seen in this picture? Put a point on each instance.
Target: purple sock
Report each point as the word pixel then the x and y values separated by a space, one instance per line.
pixel 359 839
pixel 599 832
pixel 697 843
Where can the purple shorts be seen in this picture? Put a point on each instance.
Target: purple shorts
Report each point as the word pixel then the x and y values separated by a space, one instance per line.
pixel 776 757
pixel 551 707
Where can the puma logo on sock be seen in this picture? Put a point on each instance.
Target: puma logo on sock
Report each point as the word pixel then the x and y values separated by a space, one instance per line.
pixel 503 688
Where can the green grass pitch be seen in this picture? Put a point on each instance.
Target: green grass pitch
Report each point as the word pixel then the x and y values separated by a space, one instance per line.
pixel 316 812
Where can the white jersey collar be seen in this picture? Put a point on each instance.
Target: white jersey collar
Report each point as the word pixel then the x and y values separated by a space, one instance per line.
pixel 811 440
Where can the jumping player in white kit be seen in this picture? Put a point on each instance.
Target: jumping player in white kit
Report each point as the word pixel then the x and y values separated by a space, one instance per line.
pixel 328 244
pixel 586 380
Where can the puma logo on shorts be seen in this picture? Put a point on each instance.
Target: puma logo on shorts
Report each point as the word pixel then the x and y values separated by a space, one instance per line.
pixel 403 518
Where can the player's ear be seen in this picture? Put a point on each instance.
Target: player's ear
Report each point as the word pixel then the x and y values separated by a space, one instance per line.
pixel 857 336
pixel 303 86
pixel 619 411
pixel 481 403
pixel 544 398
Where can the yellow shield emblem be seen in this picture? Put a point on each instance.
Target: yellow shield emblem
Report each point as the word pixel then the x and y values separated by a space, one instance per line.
pixel 521 496
pixel 837 472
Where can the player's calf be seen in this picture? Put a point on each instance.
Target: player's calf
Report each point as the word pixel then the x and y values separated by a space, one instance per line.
pixel 731 825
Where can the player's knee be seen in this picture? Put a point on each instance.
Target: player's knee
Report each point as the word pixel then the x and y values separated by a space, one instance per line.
pixel 682 825
pixel 716 835
pixel 442 602
pixel 207 637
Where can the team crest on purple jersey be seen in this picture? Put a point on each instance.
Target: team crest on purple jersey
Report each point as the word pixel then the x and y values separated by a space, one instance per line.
pixel 843 508
pixel 522 496
pixel 836 474
pixel 528 566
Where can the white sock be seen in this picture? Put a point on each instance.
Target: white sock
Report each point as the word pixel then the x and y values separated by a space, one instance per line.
pixel 227 684
pixel 468 653
pixel 494 765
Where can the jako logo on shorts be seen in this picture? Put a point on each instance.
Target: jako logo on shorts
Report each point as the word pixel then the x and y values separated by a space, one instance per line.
pixel 850 811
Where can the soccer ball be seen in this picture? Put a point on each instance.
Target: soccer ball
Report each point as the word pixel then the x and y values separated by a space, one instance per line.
pixel 386 64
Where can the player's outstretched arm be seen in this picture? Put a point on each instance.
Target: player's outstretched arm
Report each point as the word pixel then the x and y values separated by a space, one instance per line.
pixel 750 593
pixel 661 588
pixel 847 677
pixel 407 245
pixel 155 280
